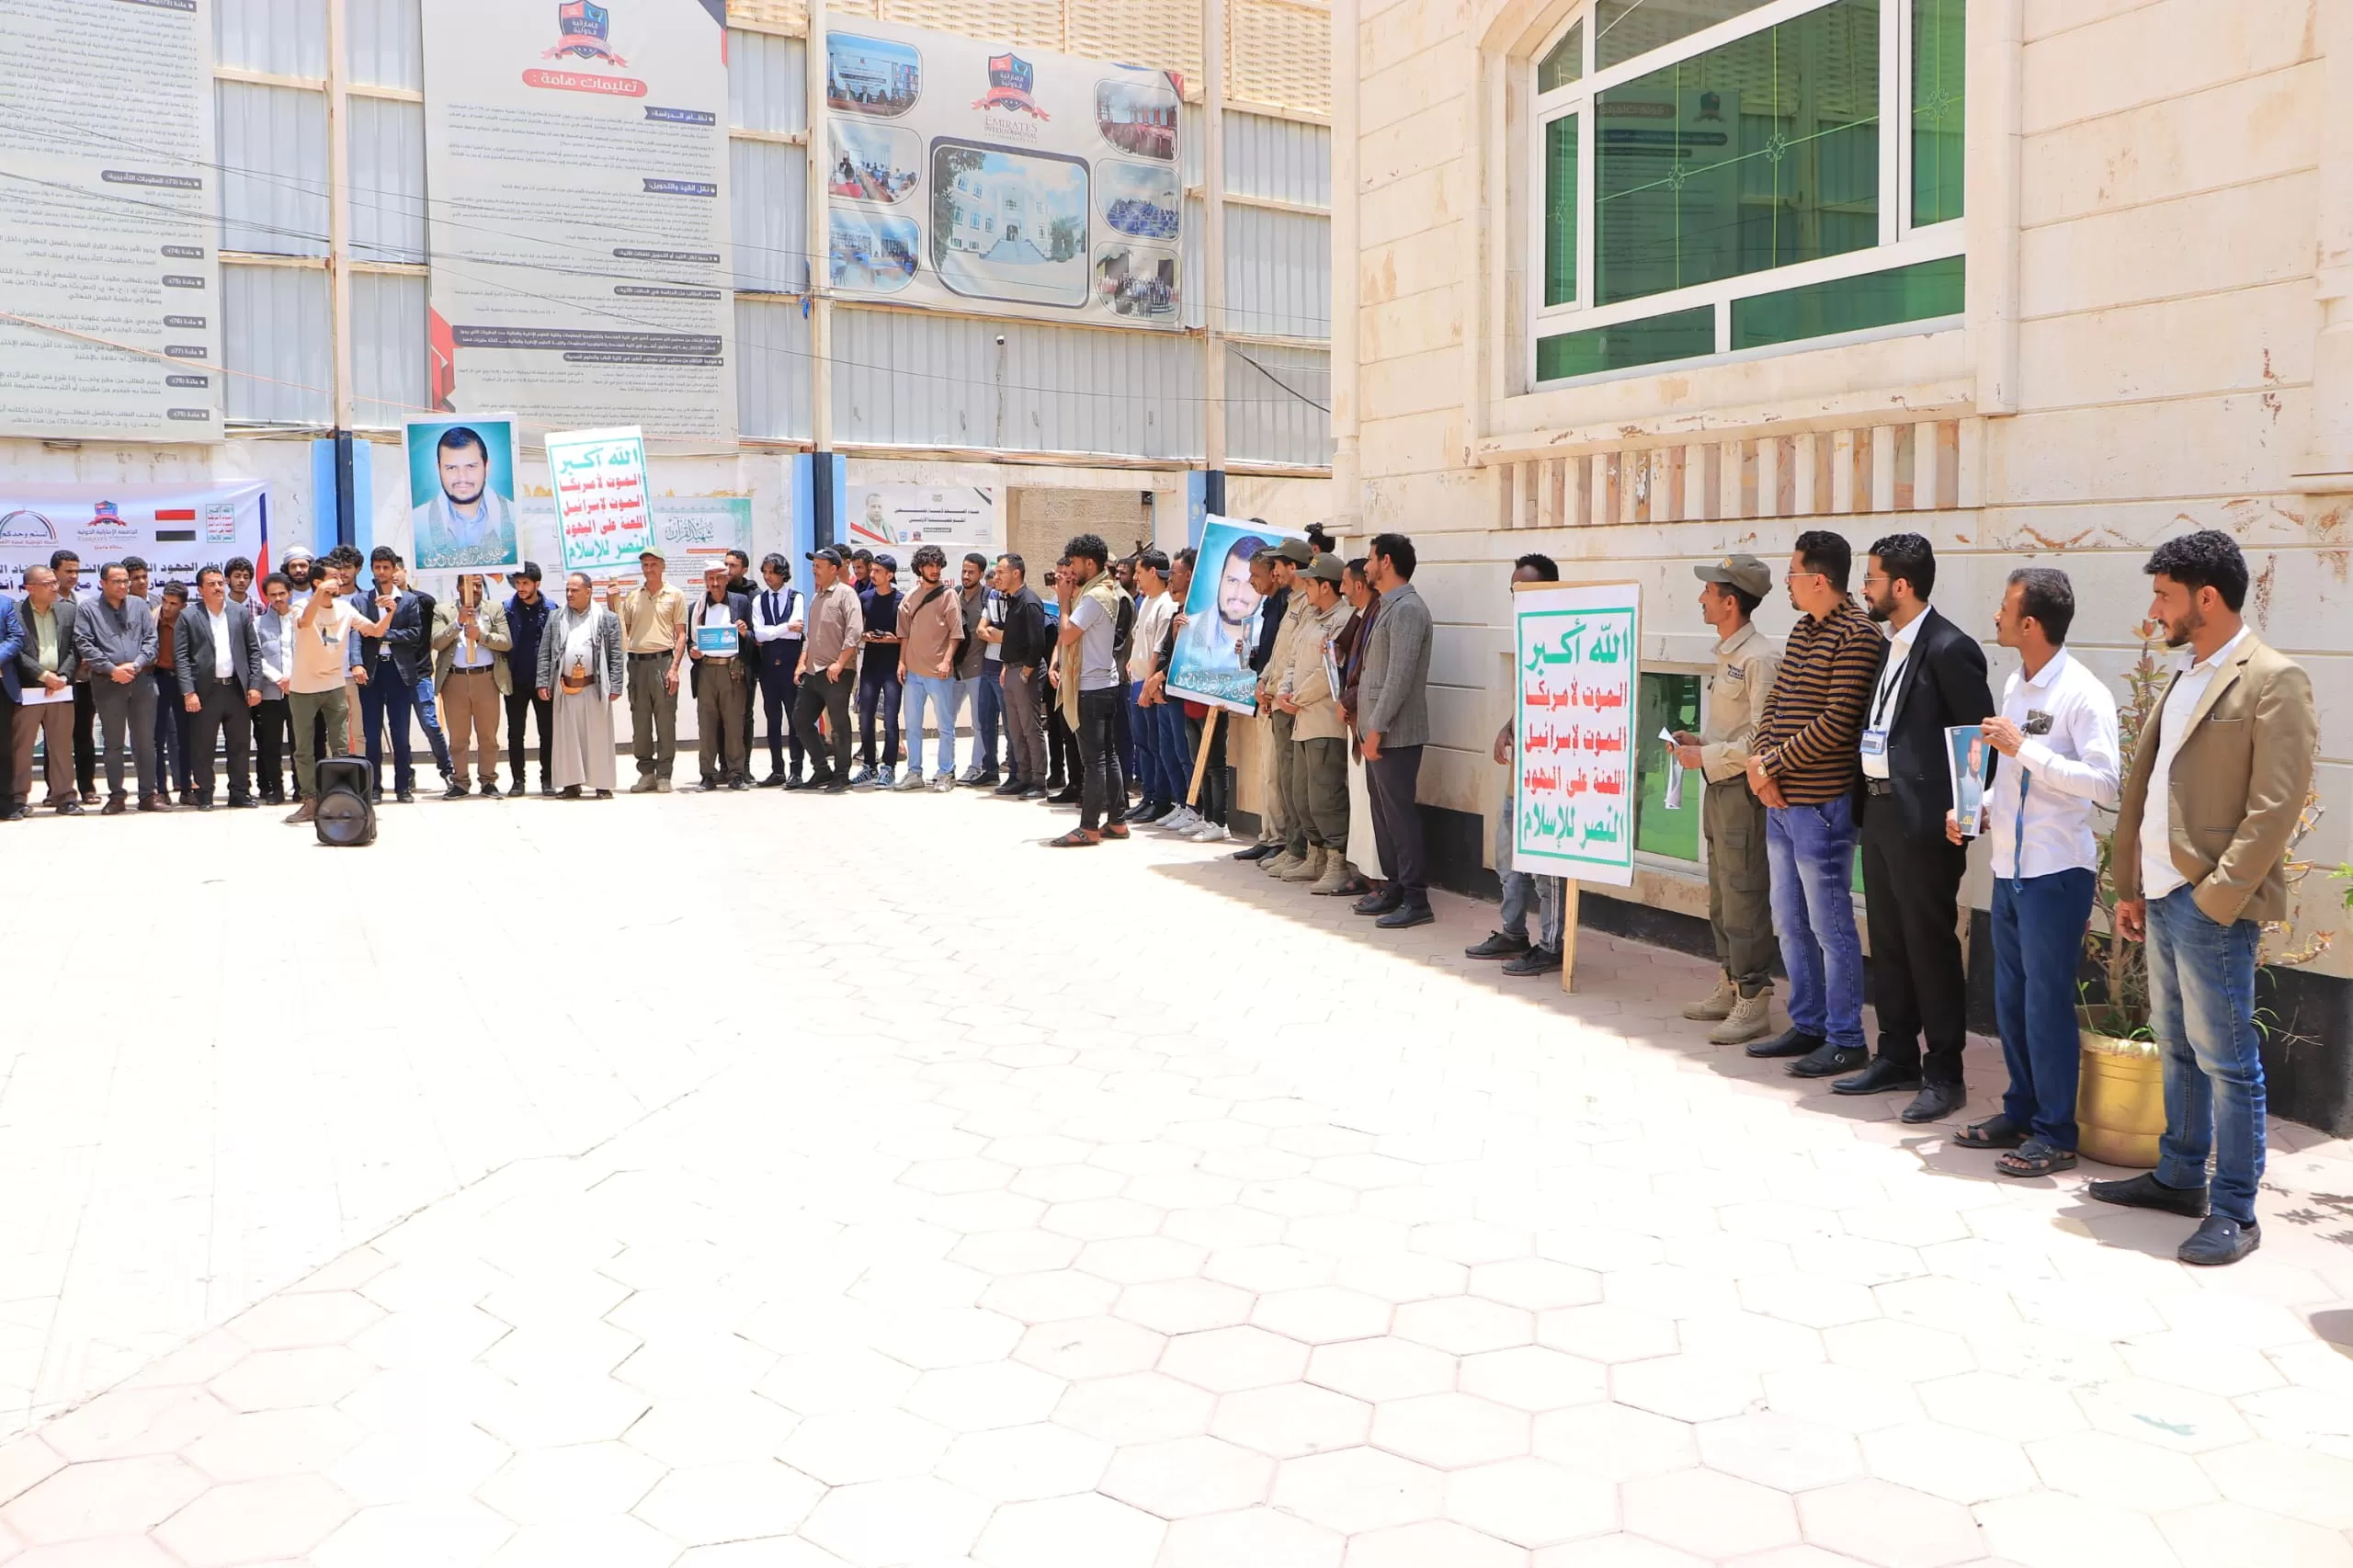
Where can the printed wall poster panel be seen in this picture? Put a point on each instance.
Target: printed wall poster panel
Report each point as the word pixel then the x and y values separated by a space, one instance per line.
pixel 176 528
pixel 1016 182
pixel 577 153
pixel 461 494
pixel 113 214
pixel 892 515
pixel 1212 660
pixel 599 482
pixel 1577 667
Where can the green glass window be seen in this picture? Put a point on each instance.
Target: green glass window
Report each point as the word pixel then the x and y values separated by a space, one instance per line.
pixel 1918 293
pixel 1624 29
pixel 1678 334
pixel 1939 52
pixel 1561 211
pixel 1668 701
pixel 1565 62
pixel 1758 155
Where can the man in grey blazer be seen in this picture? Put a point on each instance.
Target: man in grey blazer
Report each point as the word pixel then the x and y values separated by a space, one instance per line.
pixel 218 660
pixel 1393 718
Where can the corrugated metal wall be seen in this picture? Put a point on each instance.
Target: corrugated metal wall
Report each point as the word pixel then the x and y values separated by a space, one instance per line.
pixel 1282 160
pixel 275 330
pixel 767 83
pixel 273 151
pixel 1278 273
pixel 770 202
pixel 391 373
pixel 285 38
pixel 384 42
pixel 1277 405
pixel 771 371
pixel 1192 268
pixel 908 379
pixel 387 179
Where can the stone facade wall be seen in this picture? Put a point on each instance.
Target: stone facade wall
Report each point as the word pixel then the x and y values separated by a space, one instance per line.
pixel 2140 360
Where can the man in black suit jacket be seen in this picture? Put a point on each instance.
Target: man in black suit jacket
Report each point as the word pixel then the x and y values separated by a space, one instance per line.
pixel 213 635
pixel 719 681
pixel 392 662
pixel 1934 679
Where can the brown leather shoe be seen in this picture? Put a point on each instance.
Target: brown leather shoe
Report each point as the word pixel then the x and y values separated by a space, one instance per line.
pixel 116 805
pixel 307 811
pixel 159 802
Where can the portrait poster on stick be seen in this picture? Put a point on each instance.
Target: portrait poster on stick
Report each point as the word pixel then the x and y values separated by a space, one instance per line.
pixel 1966 749
pixel 461 493
pixel 1212 660
pixel 602 515
pixel 1576 665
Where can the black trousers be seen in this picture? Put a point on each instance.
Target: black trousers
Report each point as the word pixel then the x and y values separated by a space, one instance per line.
pixel 1103 798
pixel 1063 766
pixel 1912 897
pixel 779 694
pixel 221 706
pixel 878 693
pixel 85 742
pixel 1392 780
pixel 273 745
pixel 521 702
pixel 12 789
pixel 826 697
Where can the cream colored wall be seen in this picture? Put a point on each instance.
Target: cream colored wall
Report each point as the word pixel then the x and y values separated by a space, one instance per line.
pixel 2177 165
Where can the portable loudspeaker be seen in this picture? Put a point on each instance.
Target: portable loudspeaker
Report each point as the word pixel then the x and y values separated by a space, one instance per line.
pixel 346 820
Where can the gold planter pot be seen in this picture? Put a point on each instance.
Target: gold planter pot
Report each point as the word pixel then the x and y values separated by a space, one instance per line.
pixel 2120 1099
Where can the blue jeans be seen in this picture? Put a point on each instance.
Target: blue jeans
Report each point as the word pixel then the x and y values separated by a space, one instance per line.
pixel 2038 941
pixel 988 713
pixel 938 693
pixel 1150 771
pixel 430 717
pixel 385 698
pixel 1812 853
pixel 1175 749
pixel 2201 1008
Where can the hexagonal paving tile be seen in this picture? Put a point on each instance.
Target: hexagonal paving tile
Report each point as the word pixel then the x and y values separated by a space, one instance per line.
pixel 290 1380
pixel 297 1321
pixel 103 1497
pixel 255 1521
pixel 864 1444
pixel 1139 1407
pixel 1183 1306
pixel 1710 1514
pixel 1354 1490
pixel 1291 1420
pixel 1188 1476
pixel 416 1463
pixel 1225 1361
pixel 978 1399
pixel 2044 1530
pixel 2001 1407
pixel 1090 1347
pixel 1615 1441
pixel 450 1530
pixel 1607 1333
pixel 1530 1378
pixel 611 1542
pixel 707 1504
pixel 1252 1538
pixel 1022 1464
pixel 1050 1297
pixel 1381 1369
pixel 1531 1503
pixel 550 1485
pixel 1139 1260
pixel 1873 1521
pixel 1089 1531
pixel 1463 1325
pixel 1323 1314
pixel 874 1524
pixel 823 1383
pixel 1432 1540
pixel 1948 1462
pixel 1628 1551
pixel 2227 1535
pixel 1535 1284
pixel 711 1429
pixel 1450 1431
pixel 273 1442
pixel 1779 1451
pixel 1689 1388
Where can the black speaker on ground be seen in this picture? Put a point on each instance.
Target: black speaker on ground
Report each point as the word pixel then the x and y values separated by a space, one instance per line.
pixel 346 820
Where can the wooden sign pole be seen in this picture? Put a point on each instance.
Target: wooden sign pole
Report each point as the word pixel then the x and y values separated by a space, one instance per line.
pixel 1201 757
pixel 1568 934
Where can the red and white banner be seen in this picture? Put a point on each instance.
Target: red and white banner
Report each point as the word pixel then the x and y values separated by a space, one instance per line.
pixel 174 528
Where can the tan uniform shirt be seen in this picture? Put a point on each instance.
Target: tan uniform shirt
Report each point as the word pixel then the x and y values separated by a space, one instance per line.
pixel 1304 680
pixel 1746 665
pixel 835 621
pixel 650 622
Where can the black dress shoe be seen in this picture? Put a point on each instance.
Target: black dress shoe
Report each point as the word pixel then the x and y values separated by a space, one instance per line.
pixel 1535 961
pixel 1935 1102
pixel 1009 788
pixel 204 802
pixel 405 797
pixel 15 813
pixel 2218 1241
pixel 1827 1060
pixel 454 792
pixel 1256 852
pixel 2145 1191
pixel 1880 1077
pixel 242 803
pixel 1791 1041
pixel 1498 945
pixel 1380 903
pixel 1405 915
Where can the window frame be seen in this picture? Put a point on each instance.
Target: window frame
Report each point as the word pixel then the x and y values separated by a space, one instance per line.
pixel 1900 243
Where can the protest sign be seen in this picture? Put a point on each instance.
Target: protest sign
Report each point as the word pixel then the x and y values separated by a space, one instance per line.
pixel 602 518
pixel 1576 665
pixel 1212 660
pixel 461 493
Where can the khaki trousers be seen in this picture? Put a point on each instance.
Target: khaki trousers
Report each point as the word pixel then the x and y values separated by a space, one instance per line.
pixel 1740 882
pixel 470 710
pixel 1321 793
pixel 51 721
pixel 1274 825
pixel 719 719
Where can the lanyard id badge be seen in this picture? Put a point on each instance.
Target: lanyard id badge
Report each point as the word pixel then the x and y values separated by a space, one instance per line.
pixel 1874 743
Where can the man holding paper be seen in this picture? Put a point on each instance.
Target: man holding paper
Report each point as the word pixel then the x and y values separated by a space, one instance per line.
pixel 722 624
pixel 1740 901
pixel 45 665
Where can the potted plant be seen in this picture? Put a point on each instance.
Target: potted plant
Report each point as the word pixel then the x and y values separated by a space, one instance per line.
pixel 2120 1098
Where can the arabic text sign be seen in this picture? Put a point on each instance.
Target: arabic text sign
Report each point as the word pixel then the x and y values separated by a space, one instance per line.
pixel 602 516
pixel 1573 731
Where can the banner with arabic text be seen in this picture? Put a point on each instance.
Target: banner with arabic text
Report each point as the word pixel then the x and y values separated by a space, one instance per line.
pixel 1577 669
pixel 599 482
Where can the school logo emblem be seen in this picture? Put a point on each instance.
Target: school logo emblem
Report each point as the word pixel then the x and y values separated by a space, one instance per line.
pixel 106 525
pixel 586 29
pixel 27 527
pixel 1011 78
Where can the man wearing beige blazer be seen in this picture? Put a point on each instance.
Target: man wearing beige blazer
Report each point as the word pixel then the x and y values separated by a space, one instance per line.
pixel 2218 780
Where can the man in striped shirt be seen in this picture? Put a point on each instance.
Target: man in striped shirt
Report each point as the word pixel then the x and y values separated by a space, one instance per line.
pixel 1804 766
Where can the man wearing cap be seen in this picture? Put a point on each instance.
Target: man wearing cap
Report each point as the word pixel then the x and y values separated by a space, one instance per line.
pixel 1740 901
pixel 527 622
pixel 654 635
pixel 834 625
pixel 1277 727
pixel 722 632
pixel 1303 694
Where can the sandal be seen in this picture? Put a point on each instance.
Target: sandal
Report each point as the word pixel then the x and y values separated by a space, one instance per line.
pixel 1994 1132
pixel 1116 830
pixel 2034 1158
pixel 1076 838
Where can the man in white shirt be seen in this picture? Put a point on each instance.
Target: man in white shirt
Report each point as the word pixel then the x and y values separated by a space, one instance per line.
pixel 325 663
pixel 2056 734
pixel 1154 609
pixel 272 740
pixel 778 619
pixel 2220 778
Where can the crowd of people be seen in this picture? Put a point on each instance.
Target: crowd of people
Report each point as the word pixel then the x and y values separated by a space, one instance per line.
pixel 1836 742
pixel 1841 741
